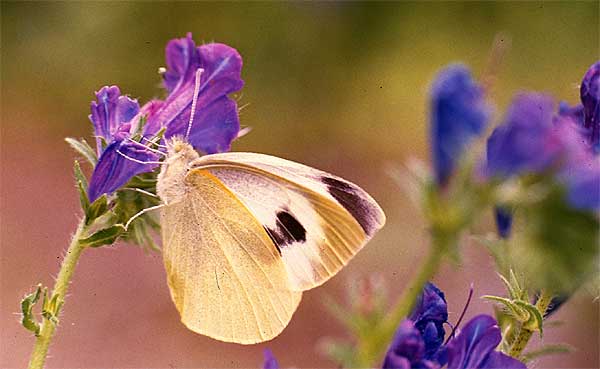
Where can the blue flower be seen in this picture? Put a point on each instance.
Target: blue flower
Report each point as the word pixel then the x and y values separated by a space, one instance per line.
pixel 115 117
pixel 532 140
pixel 270 360
pixel 407 349
pixel 587 114
pixel 429 315
pixel 474 347
pixel 418 340
pixel 458 114
pixel 215 122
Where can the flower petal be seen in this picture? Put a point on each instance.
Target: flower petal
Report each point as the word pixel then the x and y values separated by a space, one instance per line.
pixel 429 315
pixel 590 99
pixel 113 170
pixel 216 122
pixel 583 184
pixel 520 143
pixel 109 112
pixel 458 114
pixel 214 128
pixel 474 343
pixel 182 61
pixel 407 349
pixel 270 361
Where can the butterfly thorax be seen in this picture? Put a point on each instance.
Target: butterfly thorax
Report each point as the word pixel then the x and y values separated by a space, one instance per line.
pixel 171 187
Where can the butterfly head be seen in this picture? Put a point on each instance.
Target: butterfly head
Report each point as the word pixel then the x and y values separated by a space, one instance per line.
pixel 180 155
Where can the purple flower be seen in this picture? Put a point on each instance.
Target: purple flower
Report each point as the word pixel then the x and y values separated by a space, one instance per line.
pixel 587 114
pixel 458 114
pixel 533 140
pixel 474 347
pixel 215 122
pixel 270 361
pixel 520 144
pixel 115 118
pixel 429 315
pixel 407 349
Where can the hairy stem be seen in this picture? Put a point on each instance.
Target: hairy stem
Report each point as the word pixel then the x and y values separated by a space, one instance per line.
pixel 40 349
pixel 522 338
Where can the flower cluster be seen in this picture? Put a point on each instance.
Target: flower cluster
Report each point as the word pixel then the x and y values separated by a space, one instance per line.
pixel 206 74
pixel 418 342
pixel 534 138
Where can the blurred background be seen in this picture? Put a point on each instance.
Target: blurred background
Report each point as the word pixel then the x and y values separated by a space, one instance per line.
pixel 339 86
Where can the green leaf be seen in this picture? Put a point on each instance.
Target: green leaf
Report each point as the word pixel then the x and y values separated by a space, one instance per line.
pixel 97 208
pixel 546 350
pixel 103 237
pixel 536 320
pixel 512 307
pixel 511 291
pixel 82 186
pixel 557 247
pixel 28 320
pixel 51 308
pixel 82 147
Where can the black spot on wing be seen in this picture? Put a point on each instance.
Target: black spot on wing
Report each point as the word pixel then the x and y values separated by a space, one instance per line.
pixel 350 198
pixel 288 230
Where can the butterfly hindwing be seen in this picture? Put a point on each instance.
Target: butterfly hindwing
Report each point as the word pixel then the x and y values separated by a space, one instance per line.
pixel 317 221
pixel 226 277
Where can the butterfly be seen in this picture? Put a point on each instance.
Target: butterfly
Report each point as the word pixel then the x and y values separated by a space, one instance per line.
pixel 244 234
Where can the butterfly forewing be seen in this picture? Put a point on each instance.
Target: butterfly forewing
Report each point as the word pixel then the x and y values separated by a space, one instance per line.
pixel 317 221
pixel 226 276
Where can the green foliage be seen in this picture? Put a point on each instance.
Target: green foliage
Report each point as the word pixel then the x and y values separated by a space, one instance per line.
pixel 83 148
pixel 106 236
pixel 557 247
pixel 82 186
pixel 96 209
pixel 517 310
pixel 27 317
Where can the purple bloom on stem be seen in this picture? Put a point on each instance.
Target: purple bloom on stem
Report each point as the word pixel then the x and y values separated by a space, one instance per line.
pixel 587 114
pixel 429 315
pixel 520 144
pixel 407 350
pixel 532 140
pixel 111 112
pixel 115 117
pixel 474 347
pixel 270 361
pixel 215 122
pixel 458 114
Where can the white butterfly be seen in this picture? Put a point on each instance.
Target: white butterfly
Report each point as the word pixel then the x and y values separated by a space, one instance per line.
pixel 244 234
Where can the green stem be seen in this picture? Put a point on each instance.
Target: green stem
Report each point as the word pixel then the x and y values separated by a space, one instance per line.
pixel 40 349
pixel 522 338
pixel 375 348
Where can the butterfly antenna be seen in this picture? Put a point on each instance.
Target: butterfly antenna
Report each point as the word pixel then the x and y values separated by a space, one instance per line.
pixel 136 160
pixel 158 152
pixel 144 211
pixel 199 72
pixel 462 315
pixel 154 143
